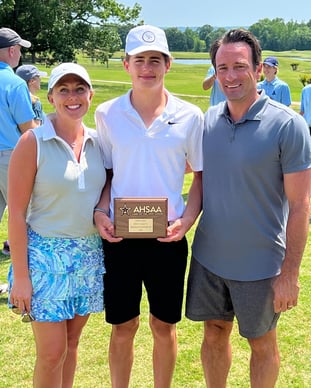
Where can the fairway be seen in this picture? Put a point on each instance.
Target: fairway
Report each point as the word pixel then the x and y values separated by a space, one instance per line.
pixel 17 346
pixel 17 352
pixel 184 81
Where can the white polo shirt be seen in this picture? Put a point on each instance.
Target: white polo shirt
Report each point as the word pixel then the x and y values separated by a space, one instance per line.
pixel 150 162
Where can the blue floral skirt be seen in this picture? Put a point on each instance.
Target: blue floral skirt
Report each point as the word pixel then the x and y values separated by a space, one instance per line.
pixel 66 275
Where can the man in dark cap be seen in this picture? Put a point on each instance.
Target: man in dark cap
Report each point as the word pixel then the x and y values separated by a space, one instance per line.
pixel 275 88
pixel 10 38
pixel 16 114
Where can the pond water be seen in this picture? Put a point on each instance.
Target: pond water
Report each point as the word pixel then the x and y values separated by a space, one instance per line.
pixel 203 61
pixel 182 61
pixel 301 59
pixel 208 61
pixel 192 61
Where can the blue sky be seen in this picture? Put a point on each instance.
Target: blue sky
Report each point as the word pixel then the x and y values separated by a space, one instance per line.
pixel 221 13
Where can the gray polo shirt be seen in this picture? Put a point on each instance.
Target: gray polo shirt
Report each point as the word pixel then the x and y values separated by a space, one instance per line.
pixel 241 233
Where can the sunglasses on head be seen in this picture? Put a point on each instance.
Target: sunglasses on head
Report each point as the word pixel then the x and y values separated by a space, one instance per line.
pixel 26 317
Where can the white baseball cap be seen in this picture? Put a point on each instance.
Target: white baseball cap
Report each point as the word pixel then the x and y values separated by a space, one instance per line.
pixel 68 68
pixel 146 38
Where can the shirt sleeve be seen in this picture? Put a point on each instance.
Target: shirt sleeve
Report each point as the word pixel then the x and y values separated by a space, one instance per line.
pixel 21 98
pixel 295 146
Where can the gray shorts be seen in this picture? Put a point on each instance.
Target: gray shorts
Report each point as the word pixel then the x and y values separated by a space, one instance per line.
pixel 212 297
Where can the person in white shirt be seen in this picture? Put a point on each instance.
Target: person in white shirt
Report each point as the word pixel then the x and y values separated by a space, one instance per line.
pixel 148 137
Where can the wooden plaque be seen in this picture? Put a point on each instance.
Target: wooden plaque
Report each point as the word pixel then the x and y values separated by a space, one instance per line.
pixel 140 217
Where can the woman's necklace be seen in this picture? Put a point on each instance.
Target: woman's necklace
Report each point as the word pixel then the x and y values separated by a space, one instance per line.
pixel 72 145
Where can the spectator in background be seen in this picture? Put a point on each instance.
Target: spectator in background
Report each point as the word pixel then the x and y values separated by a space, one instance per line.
pixel 32 75
pixel 275 88
pixel 210 81
pixel 16 114
pixel 305 104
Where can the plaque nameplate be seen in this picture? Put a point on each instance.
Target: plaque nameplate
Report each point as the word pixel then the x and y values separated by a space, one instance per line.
pixel 140 217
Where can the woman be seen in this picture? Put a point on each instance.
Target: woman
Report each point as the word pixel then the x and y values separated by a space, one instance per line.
pixel 57 259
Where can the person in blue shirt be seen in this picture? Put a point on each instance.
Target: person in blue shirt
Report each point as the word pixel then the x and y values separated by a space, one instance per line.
pixel 305 104
pixel 16 114
pixel 32 76
pixel 275 88
pixel 210 81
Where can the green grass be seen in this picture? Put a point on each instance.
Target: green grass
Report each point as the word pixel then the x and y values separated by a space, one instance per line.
pixel 17 345
pixel 17 351
pixel 183 80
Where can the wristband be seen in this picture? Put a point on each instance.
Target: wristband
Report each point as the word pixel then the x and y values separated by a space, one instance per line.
pixel 102 210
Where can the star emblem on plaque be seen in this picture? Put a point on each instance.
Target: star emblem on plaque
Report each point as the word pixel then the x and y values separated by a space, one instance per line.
pixel 125 210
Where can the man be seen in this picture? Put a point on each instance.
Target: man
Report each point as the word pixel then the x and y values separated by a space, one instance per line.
pixel 16 115
pixel 253 229
pixel 148 136
pixel 305 104
pixel 275 88
pixel 210 81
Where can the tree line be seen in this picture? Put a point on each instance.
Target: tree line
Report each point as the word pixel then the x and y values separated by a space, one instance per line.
pixel 58 29
pixel 274 35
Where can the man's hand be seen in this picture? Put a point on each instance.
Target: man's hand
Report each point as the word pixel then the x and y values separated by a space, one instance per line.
pixel 286 291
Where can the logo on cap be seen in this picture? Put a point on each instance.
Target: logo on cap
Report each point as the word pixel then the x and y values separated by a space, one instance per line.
pixel 148 37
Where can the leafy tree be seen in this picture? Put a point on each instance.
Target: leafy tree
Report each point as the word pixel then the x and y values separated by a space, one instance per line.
pixel 300 38
pixel 277 35
pixel 190 36
pixel 109 37
pixel 123 30
pixel 204 34
pixel 58 28
pixel 176 39
pixel 209 34
pixel 216 34
pixel 199 45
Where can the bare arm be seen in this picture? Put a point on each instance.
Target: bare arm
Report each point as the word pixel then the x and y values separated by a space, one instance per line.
pixel 188 168
pixel 286 287
pixel 23 159
pixel 27 125
pixel 180 227
pixel 102 221
pixel 208 82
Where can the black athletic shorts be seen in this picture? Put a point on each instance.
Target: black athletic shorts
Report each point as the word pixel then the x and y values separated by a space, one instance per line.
pixel 159 266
